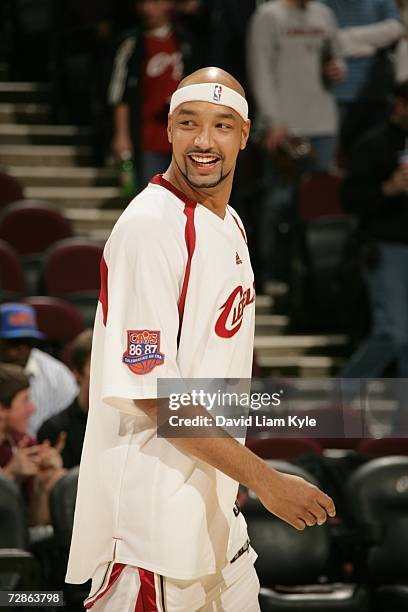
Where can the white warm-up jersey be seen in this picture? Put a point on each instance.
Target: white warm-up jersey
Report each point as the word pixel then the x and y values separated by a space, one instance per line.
pixel 177 301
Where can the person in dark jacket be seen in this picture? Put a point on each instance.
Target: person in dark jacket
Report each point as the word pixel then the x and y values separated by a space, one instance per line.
pixel 72 420
pixel 148 65
pixel 376 190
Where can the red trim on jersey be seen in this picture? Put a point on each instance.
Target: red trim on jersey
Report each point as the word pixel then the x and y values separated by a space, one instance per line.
pixel 146 600
pixel 116 572
pixel 190 237
pixel 103 295
pixel 240 228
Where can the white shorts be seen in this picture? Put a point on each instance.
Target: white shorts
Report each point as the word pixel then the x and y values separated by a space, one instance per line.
pixel 126 588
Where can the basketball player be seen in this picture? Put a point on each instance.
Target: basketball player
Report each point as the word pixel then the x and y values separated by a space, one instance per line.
pixel 156 525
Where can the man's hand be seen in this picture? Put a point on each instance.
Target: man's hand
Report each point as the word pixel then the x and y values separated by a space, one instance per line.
pixel 398 183
pixel 122 146
pixel 24 463
pixel 296 501
pixel 334 71
pixel 275 137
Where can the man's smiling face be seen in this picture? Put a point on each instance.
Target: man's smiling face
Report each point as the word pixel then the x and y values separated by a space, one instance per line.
pixel 206 140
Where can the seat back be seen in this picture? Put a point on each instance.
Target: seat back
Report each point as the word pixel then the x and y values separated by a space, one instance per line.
pixel 283 448
pixel 72 268
pixel 62 506
pixel 285 556
pixel 31 226
pixel 378 497
pixel 383 447
pixel 319 195
pixel 13 520
pixel 59 320
pixel 11 190
pixel 11 273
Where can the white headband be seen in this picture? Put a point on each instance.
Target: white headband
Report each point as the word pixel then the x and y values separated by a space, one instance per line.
pixel 210 92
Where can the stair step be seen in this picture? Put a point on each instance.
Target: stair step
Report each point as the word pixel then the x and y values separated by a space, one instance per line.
pixel 296 345
pixel 45 155
pixel 264 303
pixel 305 366
pixel 92 223
pixel 24 113
pixel 69 176
pixel 23 92
pixel 43 134
pixel 269 324
pixel 75 197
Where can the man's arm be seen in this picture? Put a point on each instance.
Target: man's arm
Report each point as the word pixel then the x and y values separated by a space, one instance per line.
pixel 289 497
pixel 122 142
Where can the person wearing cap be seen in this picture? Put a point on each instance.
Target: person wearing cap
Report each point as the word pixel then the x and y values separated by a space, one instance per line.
pixel 156 525
pixel 52 385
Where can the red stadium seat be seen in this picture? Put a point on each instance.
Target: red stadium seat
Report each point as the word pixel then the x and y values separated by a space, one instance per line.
pixel 72 267
pixel 10 190
pixel 319 196
pixel 11 273
pixel 72 272
pixel 283 448
pixel 32 226
pixel 384 447
pixel 59 321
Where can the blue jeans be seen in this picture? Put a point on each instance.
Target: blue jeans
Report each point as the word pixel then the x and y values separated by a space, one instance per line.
pixel 388 295
pixel 277 208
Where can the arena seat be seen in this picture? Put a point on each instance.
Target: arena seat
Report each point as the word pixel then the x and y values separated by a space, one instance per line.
pixel 31 226
pixel 59 320
pixel 383 447
pixel 378 498
pixel 283 448
pixel 11 274
pixel 72 272
pixel 18 568
pixel 11 189
pixel 319 195
pixel 291 563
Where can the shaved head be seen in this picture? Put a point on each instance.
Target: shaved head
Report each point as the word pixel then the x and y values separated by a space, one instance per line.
pixel 213 75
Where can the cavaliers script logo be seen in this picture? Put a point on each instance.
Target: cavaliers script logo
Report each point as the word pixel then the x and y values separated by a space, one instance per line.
pixel 232 312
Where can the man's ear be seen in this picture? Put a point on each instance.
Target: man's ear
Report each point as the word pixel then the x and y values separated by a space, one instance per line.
pixel 246 128
pixel 169 128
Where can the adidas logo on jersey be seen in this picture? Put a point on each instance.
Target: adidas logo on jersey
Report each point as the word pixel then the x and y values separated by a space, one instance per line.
pixel 238 260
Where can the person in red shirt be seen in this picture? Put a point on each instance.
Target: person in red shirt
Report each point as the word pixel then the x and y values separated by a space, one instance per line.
pixel 149 64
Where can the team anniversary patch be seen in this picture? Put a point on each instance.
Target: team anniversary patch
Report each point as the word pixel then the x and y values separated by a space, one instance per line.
pixel 142 354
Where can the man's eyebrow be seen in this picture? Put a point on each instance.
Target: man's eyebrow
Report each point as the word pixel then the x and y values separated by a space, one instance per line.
pixel 191 113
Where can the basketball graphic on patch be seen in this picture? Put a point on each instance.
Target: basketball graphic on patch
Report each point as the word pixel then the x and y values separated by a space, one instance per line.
pixel 142 354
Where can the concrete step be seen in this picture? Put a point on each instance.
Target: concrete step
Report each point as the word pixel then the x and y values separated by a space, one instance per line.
pixel 23 92
pixel 270 324
pixel 45 155
pixel 27 113
pixel 93 223
pixel 306 366
pixel 11 134
pixel 280 346
pixel 75 197
pixel 264 304
pixel 69 176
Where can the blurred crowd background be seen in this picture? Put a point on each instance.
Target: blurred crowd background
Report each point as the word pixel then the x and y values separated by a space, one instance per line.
pixel 323 191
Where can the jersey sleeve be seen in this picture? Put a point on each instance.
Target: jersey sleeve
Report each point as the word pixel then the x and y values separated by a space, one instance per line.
pixel 144 270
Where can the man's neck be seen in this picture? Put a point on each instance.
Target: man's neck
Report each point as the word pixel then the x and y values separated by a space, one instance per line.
pixel 296 4
pixel 215 198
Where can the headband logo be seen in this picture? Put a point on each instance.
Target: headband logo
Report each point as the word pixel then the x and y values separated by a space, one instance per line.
pixel 217 93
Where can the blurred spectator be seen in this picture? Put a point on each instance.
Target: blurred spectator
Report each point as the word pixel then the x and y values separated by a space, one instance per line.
pixel 293 57
pixel 148 65
pixel 229 23
pixel 376 189
pixel 195 17
pixel 72 420
pixel 368 30
pixel 36 467
pixel 52 385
